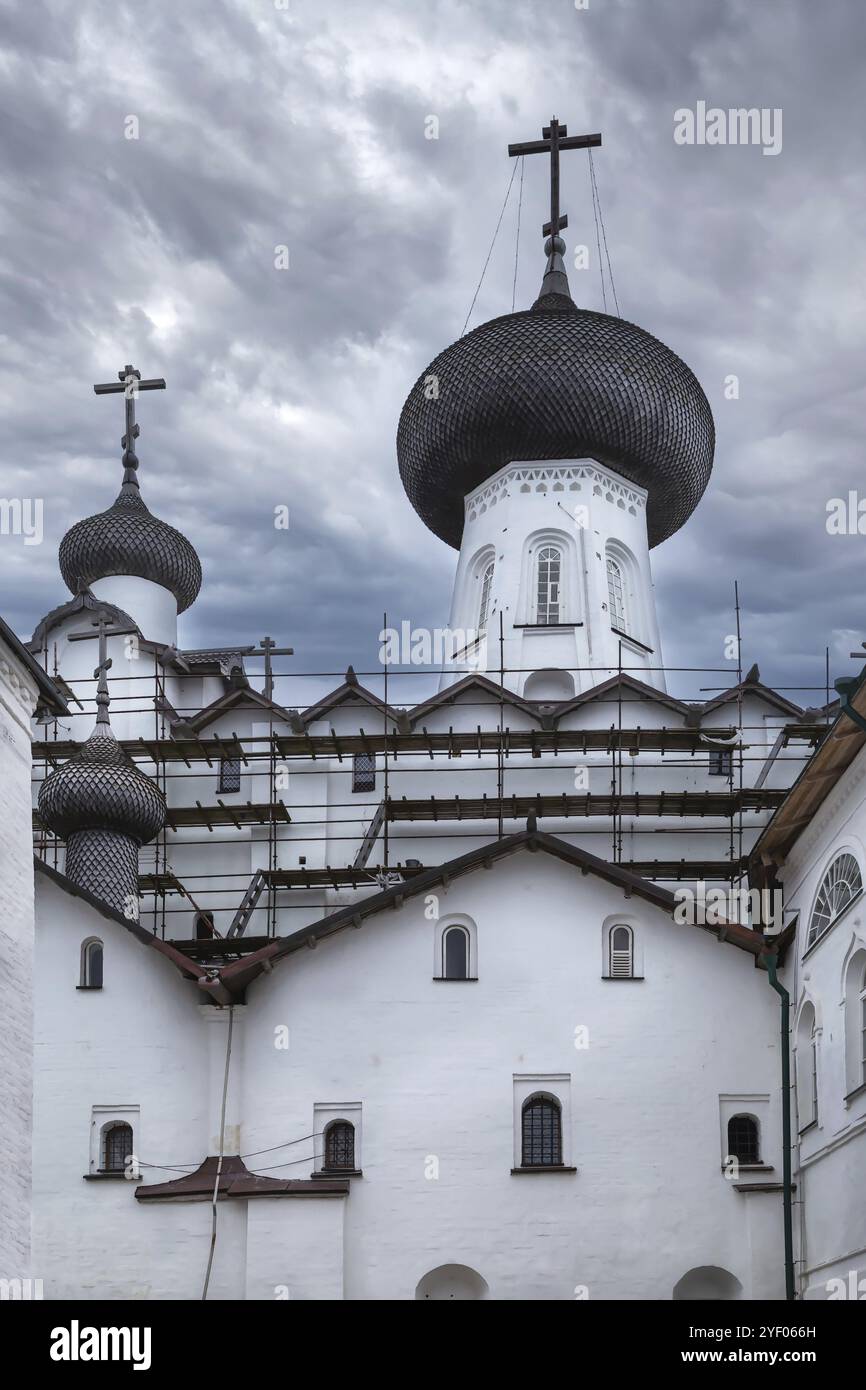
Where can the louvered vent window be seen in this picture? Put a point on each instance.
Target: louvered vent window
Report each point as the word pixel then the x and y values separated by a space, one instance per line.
pixel 621 953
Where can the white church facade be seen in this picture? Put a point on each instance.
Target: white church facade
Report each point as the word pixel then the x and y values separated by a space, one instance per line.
pixel 358 1000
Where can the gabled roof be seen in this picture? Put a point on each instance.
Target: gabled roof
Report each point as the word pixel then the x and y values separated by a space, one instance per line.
pixel 816 780
pixel 49 697
pixel 238 698
pixel 85 601
pixel 474 682
pixel 353 693
pixel 236 977
pixel 223 661
pixel 751 684
pixel 637 687
pixel 187 967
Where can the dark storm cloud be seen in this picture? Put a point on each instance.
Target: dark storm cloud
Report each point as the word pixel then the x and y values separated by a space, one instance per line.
pixel 305 127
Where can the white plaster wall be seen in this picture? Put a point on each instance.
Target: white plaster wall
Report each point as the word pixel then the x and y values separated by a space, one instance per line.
pixel 433 1063
pixel 524 500
pixel 832 1154
pixel 17 702
pixel 138 1041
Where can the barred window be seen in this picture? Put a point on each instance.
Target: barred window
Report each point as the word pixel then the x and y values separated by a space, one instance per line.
pixel 621 965
pixel 841 884
pixel 549 583
pixel 721 762
pixel 116 1148
pixel 743 1139
pixel 230 775
pixel 339 1145
pixel 455 953
pixel 364 772
pixel 616 595
pixel 542 1133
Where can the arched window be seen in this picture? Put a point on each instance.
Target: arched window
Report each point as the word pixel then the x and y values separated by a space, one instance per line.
pixel 484 605
pixel 91 964
pixel 455 953
pixel 841 884
pixel 621 963
pixel 807 1066
pixel 542 1132
pixel 744 1139
pixel 339 1145
pixel 116 1148
pixel 549 586
pixel 855 1022
pixel 616 594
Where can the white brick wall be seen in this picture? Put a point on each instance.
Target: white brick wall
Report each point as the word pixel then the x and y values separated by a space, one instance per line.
pixel 17 702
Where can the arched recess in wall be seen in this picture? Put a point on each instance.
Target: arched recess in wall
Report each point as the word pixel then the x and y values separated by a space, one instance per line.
pixel 623 591
pixel 455 948
pixel 90 975
pixel 550 685
pixel 549 590
pixel 477 602
pixel 452 1282
pixel 854 995
pixel 708 1283
pixel 806 1034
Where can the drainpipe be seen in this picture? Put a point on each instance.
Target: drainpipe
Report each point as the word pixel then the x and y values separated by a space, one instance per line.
pixel 769 960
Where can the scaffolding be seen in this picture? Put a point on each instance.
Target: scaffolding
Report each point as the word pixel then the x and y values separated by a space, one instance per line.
pixel 400 747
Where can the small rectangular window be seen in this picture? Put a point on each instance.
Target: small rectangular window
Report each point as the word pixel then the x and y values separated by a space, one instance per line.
pixel 364 772
pixel 721 762
pixel 230 775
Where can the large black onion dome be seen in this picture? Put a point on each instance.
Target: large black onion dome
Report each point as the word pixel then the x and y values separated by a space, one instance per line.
pixel 129 539
pixel 556 381
pixel 101 789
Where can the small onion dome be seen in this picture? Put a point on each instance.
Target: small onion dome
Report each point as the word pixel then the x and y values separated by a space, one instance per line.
pixel 129 539
pixel 556 382
pixel 101 789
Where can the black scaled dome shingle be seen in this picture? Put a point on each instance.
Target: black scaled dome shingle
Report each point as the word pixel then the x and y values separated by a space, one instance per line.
pixel 129 539
pixel 556 381
pixel 101 789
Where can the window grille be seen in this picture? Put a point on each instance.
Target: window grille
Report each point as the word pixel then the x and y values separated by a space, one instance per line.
pixel 542 1133
pixel 840 885
pixel 340 1145
pixel 364 772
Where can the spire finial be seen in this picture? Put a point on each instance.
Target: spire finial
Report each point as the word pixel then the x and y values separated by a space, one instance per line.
pixel 130 383
pixel 555 137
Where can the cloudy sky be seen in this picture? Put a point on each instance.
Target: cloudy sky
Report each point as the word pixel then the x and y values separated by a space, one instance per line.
pixel 268 123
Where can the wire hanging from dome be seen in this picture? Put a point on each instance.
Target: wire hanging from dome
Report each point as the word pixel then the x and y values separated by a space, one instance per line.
pixel 597 238
pixel 517 239
pixel 492 244
pixel 597 202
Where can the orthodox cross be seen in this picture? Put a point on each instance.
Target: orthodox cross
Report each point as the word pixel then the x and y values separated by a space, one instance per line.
pixel 106 629
pixel 555 137
pixel 130 383
pixel 271 649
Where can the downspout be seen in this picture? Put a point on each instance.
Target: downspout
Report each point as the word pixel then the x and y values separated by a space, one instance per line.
pixel 769 960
